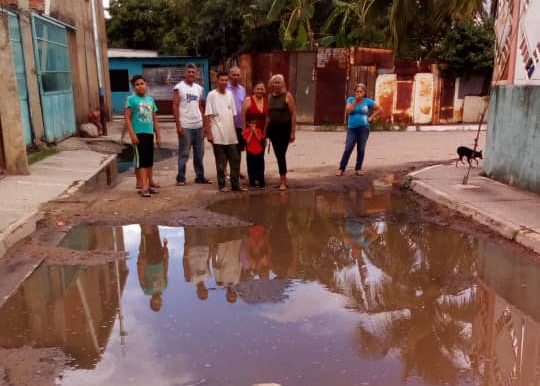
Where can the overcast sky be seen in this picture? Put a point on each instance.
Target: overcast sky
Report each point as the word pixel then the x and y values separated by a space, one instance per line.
pixel 105 5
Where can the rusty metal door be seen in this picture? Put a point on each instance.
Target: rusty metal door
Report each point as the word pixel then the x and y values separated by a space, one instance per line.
pixel 331 93
pixel 305 87
pixel 404 99
pixel 385 90
pixel 446 105
pixel 53 66
pixel 267 64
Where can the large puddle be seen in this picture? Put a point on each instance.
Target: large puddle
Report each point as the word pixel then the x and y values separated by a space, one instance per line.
pixel 323 289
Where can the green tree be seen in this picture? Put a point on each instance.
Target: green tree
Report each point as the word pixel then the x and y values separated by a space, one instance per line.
pixel 295 16
pixel 259 34
pixel 468 48
pixel 416 26
pixel 349 24
pixel 138 24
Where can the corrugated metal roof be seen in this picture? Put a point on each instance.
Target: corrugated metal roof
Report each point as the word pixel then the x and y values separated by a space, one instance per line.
pixel 130 53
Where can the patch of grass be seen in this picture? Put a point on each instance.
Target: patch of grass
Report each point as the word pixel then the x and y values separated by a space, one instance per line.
pixel 407 183
pixel 41 154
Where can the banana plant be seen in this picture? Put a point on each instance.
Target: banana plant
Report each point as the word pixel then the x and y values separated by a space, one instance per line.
pixel 345 12
pixel 295 16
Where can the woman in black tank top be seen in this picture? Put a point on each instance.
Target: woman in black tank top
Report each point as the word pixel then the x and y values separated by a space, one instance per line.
pixel 281 126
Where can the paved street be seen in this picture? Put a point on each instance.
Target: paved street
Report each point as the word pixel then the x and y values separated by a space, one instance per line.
pixel 316 154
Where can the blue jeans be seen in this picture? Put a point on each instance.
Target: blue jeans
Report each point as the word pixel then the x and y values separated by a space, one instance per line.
pixel 357 136
pixel 191 138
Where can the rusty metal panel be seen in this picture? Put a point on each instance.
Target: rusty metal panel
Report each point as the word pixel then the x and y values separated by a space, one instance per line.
pixel 245 62
pixel 363 74
pixel 404 93
pixel 331 75
pixel 446 104
pixel 305 87
pixel 378 57
pixel 267 64
pixel 291 84
pixel 385 89
pixel 423 98
pixel 411 68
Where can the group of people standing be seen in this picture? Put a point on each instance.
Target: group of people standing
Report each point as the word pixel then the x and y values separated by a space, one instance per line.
pixel 232 122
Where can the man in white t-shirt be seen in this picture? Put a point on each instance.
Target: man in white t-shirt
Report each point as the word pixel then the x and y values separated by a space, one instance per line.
pixel 188 114
pixel 220 110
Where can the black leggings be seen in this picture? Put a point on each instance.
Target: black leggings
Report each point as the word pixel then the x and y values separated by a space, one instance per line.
pixel 280 135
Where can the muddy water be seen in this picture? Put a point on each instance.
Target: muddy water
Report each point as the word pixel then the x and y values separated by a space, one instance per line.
pixel 323 289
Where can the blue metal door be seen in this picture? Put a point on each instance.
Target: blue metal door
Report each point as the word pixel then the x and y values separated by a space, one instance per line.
pixel 18 59
pixel 54 77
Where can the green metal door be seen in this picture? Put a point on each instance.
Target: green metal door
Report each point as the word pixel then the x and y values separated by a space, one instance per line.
pixel 18 59
pixel 54 76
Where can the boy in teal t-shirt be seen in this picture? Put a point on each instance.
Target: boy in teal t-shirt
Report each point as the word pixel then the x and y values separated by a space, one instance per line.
pixel 142 123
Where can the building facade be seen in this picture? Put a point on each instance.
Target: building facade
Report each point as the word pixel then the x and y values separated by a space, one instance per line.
pixel 162 73
pixel 54 71
pixel 513 145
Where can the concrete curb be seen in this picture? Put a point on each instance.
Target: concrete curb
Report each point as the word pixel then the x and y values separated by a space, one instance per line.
pixel 503 226
pixel 410 128
pixel 19 230
pixel 26 225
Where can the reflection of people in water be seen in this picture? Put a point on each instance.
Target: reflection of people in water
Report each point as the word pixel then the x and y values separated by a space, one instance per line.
pixel 153 265
pixel 283 253
pixel 197 268
pixel 256 253
pixel 359 235
pixel 226 264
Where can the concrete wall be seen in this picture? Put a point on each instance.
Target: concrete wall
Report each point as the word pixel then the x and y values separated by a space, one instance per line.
pixel 34 102
pixel 513 143
pixel 102 32
pixel 14 150
pixel 82 49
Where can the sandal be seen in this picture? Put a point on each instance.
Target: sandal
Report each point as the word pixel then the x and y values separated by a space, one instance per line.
pixel 225 190
pixel 283 187
pixel 360 172
pixel 340 173
pixel 180 183
pixel 241 189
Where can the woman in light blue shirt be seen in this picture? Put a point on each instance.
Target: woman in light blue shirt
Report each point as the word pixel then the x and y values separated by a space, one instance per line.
pixel 360 111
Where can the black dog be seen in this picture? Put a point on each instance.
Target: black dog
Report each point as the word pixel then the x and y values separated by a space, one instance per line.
pixel 464 151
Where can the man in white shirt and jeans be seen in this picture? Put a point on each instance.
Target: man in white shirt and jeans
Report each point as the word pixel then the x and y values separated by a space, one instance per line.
pixel 188 114
pixel 221 132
